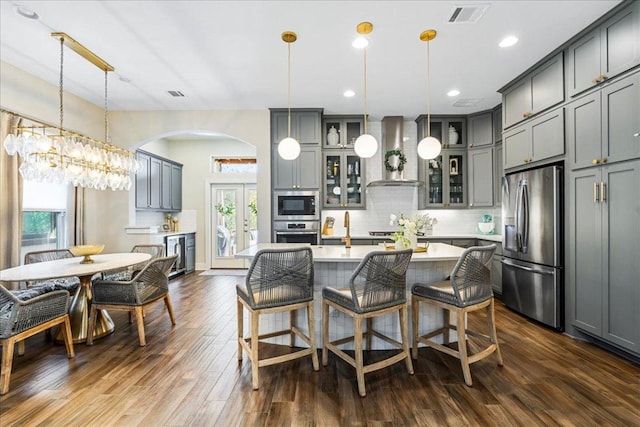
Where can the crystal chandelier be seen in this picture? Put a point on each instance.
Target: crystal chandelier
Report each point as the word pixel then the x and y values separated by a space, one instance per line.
pixel 53 154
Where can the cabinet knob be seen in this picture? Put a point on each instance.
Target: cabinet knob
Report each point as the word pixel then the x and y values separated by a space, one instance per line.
pixel 594 81
pixel 594 161
pixel 470 204
pixel 637 134
pixel 602 78
pixel 526 115
pixel 603 160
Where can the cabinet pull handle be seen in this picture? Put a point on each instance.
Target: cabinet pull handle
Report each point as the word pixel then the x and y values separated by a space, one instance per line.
pixel 603 192
pixel 595 192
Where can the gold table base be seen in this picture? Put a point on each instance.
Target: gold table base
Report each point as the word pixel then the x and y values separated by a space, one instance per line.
pixel 79 316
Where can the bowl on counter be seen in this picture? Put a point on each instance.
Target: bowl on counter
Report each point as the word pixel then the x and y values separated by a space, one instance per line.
pixel 486 227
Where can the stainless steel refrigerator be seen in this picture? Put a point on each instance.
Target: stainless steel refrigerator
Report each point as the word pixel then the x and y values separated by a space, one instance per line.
pixel 532 244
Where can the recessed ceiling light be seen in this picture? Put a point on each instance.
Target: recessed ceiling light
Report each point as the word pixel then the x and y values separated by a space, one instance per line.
pixel 26 12
pixel 349 93
pixel 453 92
pixel 508 41
pixel 360 43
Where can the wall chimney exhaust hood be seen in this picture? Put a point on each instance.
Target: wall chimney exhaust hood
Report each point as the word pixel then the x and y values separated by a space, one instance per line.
pixel 392 135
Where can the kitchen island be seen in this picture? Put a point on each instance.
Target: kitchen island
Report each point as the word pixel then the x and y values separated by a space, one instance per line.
pixel 333 266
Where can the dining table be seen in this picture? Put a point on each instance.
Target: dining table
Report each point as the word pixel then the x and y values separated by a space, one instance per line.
pixel 81 302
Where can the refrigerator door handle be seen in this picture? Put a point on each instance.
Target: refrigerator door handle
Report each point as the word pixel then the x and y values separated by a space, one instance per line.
pixel 522 267
pixel 518 216
pixel 525 209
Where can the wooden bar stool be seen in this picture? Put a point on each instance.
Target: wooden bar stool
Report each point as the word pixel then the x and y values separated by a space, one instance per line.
pixel 377 287
pixel 469 289
pixel 278 280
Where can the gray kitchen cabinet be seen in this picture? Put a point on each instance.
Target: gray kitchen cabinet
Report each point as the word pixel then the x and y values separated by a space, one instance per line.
pixel 480 172
pixel 341 131
pixel 342 180
pixel 305 125
pixel 602 127
pixel 536 92
pixel 604 245
pixel 480 129
pixel 303 172
pixel 605 52
pixel 176 187
pixel 299 174
pixel 497 124
pixel 498 174
pixel 190 252
pixel 451 131
pixel 158 184
pixel 445 180
pixel 538 139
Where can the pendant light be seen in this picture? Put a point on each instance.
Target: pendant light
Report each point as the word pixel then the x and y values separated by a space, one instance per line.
pixel 289 148
pixel 428 147
pixel 366 145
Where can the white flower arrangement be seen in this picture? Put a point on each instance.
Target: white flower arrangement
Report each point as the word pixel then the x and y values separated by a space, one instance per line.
pixel 410 227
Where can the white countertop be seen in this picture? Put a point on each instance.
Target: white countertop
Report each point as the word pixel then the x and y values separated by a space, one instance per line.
pixel 338 253
pixel 490 237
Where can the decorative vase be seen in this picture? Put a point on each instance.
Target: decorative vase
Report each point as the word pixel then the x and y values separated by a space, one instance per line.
pixel 333 137
pixel 453 135
pixel 407 241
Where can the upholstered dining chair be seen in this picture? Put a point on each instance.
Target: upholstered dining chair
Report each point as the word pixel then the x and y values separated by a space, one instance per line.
pixel 24 313
pixel 125 274
pixel 148 286
pixel 377 287
pixel 278 280
pixel 70 284
pixel 467 290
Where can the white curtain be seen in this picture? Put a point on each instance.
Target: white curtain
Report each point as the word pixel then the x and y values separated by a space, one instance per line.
pixel 10 198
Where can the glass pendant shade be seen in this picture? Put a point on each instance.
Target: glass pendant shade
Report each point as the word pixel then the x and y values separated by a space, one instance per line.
pixel 289 148
pixel 366 146
pixel 429 148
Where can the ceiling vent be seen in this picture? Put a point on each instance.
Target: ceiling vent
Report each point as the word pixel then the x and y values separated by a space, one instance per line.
pixel 467 14
pixel 176 93
pixel 469 102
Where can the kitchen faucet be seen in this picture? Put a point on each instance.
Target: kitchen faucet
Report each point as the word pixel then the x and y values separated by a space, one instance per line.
pixel 347 239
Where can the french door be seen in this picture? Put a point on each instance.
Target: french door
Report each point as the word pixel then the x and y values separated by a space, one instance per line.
pixel 234 214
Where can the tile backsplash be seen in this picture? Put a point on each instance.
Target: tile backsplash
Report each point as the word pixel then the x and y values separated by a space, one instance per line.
pixel 383 201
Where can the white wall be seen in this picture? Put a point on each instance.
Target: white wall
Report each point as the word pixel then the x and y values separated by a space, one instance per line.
pixel 109 212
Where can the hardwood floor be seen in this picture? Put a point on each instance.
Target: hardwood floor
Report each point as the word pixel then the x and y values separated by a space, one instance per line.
pixel 188 375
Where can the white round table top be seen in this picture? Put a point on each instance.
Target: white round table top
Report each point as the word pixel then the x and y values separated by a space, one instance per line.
pixel 71 267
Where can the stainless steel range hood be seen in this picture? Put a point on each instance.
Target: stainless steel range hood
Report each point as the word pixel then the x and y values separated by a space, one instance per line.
pixel 392 135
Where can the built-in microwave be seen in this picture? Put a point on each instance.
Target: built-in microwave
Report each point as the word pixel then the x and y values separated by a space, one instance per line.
pixel 296 205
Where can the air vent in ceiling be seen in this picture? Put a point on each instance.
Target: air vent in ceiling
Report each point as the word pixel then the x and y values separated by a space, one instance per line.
pixel 469 102
pixel 176 93
pixel 467 14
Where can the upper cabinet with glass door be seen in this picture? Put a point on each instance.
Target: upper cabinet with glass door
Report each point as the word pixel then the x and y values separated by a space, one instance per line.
pixel 343 172
pixel 341 131
pixel 451 131
pixel 445 180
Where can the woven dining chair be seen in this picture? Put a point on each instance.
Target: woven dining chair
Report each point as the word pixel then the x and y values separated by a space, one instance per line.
pixel 278 280
pixel 69 284
pixel 467 290
pixel 24 313
pixel 377 287
pixel 146 287
pixel 125 274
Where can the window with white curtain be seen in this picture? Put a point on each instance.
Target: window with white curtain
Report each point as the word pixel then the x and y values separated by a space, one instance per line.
pixel 44 216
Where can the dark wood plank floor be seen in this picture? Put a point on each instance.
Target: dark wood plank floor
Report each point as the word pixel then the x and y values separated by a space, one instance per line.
pixel 188 375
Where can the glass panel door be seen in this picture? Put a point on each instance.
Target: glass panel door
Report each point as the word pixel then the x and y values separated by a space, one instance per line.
pixel 436 183
pixel 235 221
pixel 332 181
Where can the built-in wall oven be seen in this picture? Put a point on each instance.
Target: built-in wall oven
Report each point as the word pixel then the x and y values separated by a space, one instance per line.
pixel 176 245
pixel 296 232
pixel 296 206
